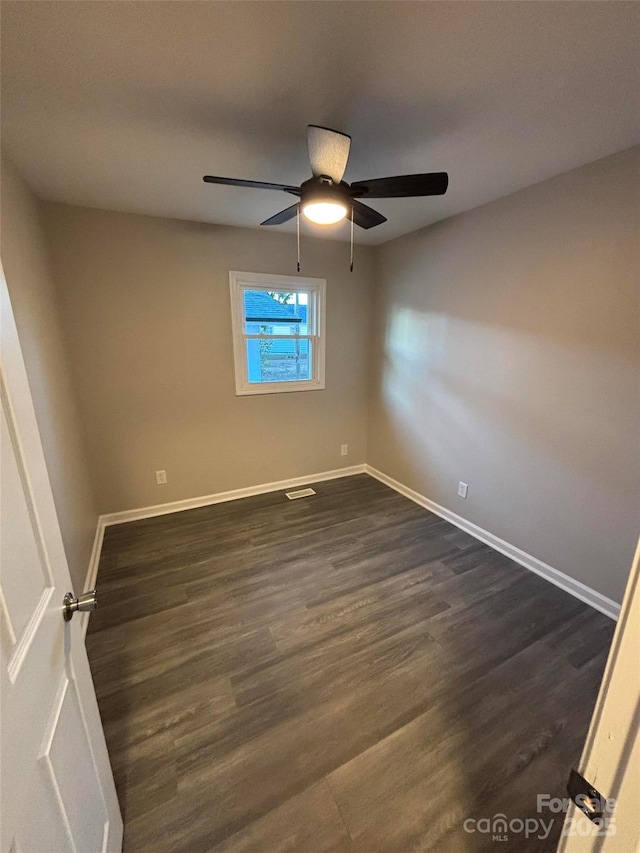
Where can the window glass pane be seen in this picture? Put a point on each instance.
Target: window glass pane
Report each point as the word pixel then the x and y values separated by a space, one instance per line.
pixel 268 312
pixel 277 360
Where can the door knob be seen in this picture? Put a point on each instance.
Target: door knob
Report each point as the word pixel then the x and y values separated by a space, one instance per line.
pixel 84 602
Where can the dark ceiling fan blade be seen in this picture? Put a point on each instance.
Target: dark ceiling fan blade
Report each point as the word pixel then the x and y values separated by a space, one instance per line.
pixel 366 217
pixel 328 151
pixel 402 186
pixel 284 216
pixel 258 185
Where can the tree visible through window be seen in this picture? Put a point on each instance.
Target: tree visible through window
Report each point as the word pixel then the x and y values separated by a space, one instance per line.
pixel 278 333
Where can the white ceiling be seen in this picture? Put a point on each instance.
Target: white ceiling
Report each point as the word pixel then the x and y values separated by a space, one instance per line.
pixel 126 105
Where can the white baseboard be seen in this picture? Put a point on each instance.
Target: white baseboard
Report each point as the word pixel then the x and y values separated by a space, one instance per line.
pixel 573 587
pixel 193 503
pixel 222 497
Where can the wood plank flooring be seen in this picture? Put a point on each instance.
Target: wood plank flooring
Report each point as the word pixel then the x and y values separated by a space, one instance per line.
pixel 346 672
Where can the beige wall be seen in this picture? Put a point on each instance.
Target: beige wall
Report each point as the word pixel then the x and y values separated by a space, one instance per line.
pixel 507 356
pixel 33 296
pixel 146 308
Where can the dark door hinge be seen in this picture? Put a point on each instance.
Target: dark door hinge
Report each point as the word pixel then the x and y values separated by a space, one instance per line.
pixel 585 796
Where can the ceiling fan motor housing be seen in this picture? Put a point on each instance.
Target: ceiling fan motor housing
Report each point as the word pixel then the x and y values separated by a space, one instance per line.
pixel 323 189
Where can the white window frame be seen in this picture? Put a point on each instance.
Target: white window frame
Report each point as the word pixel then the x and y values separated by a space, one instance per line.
pixel 316 288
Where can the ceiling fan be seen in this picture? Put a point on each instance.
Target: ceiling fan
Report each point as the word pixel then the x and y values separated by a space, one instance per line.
pixel 326 199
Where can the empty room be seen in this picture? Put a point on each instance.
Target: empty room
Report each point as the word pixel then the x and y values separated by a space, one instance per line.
pixel 320 426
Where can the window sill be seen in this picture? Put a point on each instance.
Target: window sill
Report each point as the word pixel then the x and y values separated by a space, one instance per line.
pixel 278 388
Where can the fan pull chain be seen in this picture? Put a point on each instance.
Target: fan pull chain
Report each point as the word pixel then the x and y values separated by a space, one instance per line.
pixel 298 234
pixel 351 263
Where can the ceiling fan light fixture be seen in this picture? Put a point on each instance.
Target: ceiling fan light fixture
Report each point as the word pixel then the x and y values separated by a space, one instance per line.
pixel 324 212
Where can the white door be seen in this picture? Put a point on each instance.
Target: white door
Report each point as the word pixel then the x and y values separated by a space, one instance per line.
pixel 611 758
pixel 57 789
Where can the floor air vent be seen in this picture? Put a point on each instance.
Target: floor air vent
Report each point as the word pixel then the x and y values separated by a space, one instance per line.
pixel 300 493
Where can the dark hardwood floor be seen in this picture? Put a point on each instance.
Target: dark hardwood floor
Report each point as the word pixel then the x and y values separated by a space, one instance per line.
pixel 346 672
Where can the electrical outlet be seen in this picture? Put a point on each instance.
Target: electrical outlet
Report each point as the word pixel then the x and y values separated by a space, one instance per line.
pixel 462 489
pixel 344 449
pixel 161 477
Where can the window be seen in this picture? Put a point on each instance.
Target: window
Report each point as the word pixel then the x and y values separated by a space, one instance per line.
pixel 278 332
